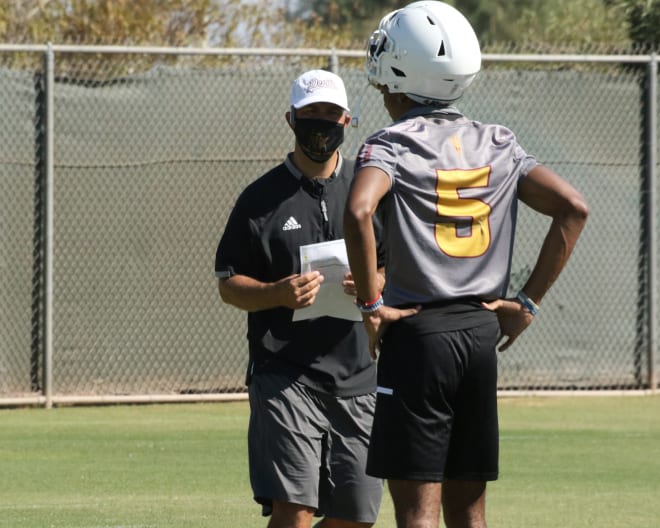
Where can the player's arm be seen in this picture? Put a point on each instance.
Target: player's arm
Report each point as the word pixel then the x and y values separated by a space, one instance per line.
pixel 294 291
pixel 369 185
pixel 544 191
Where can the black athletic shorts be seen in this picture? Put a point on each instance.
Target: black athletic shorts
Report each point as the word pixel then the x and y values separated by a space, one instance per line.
pixel 436 408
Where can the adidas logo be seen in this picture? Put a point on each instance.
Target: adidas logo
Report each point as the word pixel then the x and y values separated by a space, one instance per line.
pixel 290 224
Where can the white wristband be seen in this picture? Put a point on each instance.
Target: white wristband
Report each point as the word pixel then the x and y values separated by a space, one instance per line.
pixel 531 306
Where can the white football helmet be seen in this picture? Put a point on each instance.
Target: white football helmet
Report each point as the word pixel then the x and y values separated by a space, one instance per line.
pixel 427 50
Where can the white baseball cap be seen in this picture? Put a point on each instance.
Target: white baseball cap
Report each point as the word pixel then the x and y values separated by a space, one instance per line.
pixel 318 86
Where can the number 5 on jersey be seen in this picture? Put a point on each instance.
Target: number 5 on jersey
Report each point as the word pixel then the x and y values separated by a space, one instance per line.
pixel 459 211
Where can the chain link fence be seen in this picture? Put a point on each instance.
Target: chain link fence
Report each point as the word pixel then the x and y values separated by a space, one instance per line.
pixel 119 167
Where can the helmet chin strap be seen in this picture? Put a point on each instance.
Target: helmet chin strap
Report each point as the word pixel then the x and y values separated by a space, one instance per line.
pixel 428 101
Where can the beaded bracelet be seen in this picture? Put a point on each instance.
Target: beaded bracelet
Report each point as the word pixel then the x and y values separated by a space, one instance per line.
pixel 371 306
pixel 531 306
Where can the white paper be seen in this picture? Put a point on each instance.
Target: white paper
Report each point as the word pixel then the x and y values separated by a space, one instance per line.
pixel 331 260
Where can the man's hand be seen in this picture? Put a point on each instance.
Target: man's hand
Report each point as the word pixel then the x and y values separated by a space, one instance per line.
pixel 298 291
pixel 349 284
pixel 377 322
pixel 513 319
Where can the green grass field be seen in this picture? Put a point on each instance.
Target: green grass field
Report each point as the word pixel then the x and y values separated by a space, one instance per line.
pixel 569 462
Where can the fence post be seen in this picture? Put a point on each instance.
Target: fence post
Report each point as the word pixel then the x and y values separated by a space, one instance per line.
pixel 651 182
pixel 333 61
pixel 49 60
pixel 37 337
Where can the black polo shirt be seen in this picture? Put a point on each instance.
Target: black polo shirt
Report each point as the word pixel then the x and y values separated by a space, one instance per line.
pixel 272 218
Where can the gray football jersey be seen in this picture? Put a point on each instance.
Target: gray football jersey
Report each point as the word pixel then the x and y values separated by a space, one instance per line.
pixel 450 216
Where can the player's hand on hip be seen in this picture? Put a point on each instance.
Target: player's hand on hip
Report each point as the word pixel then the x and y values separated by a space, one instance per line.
pixel 299 291
pixel 512 317
pixel 377 322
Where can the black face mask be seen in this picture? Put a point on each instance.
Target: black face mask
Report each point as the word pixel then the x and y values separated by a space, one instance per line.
pixel 318 138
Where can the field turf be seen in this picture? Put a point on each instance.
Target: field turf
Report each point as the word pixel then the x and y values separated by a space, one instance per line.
pixel 573 462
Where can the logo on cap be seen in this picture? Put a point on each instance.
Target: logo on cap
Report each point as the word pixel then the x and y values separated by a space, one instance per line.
pixel 315 84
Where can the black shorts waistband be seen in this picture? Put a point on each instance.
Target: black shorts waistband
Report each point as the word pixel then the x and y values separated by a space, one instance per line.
pixel 459 304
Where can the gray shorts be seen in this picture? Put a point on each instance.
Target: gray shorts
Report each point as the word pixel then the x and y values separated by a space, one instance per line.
pixel 310 448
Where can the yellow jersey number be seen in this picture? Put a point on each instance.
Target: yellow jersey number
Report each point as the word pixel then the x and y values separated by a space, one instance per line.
pixel 452 205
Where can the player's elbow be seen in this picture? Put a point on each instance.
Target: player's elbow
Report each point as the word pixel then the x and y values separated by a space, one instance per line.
pixel 578 209
pixel 572 216
pixel 356 214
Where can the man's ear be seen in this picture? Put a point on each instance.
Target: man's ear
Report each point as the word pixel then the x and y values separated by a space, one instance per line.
pixel 347 120
pixel 290 120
